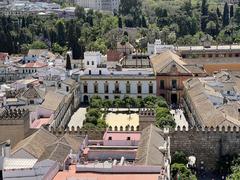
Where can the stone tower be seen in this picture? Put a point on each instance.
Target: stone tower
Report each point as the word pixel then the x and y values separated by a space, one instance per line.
pixel 146 117
pixel 14 125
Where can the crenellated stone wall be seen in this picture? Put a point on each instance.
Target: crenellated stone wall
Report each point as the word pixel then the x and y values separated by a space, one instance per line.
pixel 14 125
pixel 206 144
pixel 92 134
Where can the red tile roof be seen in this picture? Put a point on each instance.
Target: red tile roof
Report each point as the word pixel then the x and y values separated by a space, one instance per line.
pixel 33 65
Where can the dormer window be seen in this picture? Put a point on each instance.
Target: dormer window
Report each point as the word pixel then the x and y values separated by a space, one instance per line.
pixel 67 88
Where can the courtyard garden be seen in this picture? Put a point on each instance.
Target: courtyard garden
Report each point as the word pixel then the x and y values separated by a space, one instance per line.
pixel 102 113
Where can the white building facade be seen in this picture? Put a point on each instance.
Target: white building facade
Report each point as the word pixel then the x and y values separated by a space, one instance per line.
pixel 92 59
pixel 136 83
pixel 158 47
pixel 101 5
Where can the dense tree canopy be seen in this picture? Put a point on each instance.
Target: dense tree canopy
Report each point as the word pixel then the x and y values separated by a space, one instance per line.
pixel 176 22
pixel 19 33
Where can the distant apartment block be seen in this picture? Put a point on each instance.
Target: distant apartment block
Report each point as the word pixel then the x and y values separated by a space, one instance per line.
pixel 101 5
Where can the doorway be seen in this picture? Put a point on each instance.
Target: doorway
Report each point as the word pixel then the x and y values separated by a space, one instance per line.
pixel 85 99
pixel 174 99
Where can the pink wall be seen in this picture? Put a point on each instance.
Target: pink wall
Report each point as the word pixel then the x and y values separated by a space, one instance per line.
pixel 120 143
pixel 113 154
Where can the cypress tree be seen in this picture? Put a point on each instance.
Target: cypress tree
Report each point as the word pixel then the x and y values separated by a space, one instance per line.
pixel 204 14
pixel 60 32
pixel 231 11
pixel 23 22
pixel 119 22
pixel 204 9
pixel 68 63
pixel 225 15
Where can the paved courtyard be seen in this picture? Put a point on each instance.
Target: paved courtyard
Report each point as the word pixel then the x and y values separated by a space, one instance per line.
pixel 77 118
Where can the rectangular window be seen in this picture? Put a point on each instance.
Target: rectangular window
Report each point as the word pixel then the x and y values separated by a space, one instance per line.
pixel 85 89
pixel 161 84
pixel 106 88
pixel 95 88
pixel 139 88
pixel 116 88
pixel 150 89
pixel 174 84
pixel 128 89
pixel 106 97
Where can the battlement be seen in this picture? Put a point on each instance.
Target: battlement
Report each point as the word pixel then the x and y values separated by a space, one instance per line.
pixel 223 129
pixel 79 131
pixel 207 144
pixel 92 134
pixel 146 117
pixel 13 114
pixel 146 112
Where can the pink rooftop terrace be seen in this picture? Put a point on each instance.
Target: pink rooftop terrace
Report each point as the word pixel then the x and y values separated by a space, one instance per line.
pixel 71 173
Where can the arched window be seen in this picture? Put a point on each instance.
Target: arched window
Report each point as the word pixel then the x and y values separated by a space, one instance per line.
pixel 137 128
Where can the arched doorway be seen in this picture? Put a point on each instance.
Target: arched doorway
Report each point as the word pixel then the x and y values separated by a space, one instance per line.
pixel 85 99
